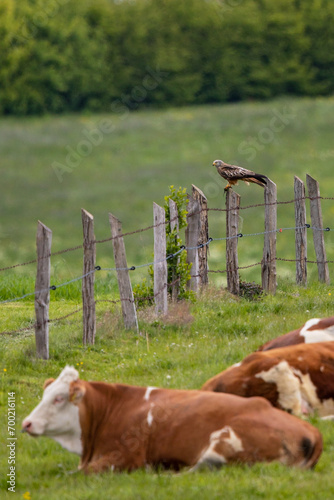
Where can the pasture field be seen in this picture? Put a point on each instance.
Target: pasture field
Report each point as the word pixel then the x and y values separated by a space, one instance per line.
pixel 193 343
pixel 135 163
pixel 125 171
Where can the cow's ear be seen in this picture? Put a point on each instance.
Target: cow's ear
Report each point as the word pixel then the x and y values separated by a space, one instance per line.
pixel 77 392
pixel 48 382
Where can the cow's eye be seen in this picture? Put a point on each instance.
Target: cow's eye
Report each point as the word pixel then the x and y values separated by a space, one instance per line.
pixel 58 399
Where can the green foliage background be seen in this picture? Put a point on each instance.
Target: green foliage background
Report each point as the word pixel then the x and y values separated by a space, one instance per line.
pixel 99 55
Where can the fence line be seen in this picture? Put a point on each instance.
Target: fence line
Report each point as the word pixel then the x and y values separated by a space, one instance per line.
pixel 197 244
pixel 170 256
pixel 78 247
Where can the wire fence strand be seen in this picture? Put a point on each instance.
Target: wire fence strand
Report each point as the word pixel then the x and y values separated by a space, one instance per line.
pixel 147 228
pixel 173 255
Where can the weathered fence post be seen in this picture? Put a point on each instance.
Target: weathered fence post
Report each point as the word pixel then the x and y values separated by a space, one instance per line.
pixel 42 289
pixel 232 228
pixel 318 234
pixel 300 232
pixel 192 237
pixel 160 263
pixel 123 278
pixel 88 300
pixel 269 249
pixel 203 235
pixel 174 225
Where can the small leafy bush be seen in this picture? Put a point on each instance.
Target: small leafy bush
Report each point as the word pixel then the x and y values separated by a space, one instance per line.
pixel 178 270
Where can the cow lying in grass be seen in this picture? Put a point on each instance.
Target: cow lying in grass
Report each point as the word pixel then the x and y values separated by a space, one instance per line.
pixel 298 378
pixel 314 330
pixel 122 427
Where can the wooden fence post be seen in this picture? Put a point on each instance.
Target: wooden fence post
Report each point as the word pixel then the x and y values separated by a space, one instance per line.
pixel 269 249
pixel 232 229
pixel 174 225
pixel 203 235
pixel 42 286
pixel 318 234
pixel 88 300
pixel 160 263
pixel 192 237
pixel 300 232
pixel 124 283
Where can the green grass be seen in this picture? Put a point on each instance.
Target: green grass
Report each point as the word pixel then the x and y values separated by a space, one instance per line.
pixel 134 165
pixel 193 343
pixel 131 168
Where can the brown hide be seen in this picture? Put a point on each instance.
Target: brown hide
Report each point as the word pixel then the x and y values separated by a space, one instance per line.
pixel 294 337
pixel 125 427
pixel 316 360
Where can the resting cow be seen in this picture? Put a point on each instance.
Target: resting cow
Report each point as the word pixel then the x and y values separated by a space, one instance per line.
pixel 122 427
pixel 298 378
pixel 314 330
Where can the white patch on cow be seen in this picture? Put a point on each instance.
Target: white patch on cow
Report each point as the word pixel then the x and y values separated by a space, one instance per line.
pixel 150 416
pixel 310 397
pixel 313 336
pixel 236 364
pixel 55 416
pixel 210 456
pixel 148 392
pixel 288 386
pixel 232 439
pixel 322 368
pixel 328 417
pixel 323 335
pixel 309 324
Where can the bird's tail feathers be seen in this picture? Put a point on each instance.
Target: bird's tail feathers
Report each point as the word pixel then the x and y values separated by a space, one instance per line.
pixel 259 179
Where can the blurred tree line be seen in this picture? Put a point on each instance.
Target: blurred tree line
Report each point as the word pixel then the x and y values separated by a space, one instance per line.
pixel 101 55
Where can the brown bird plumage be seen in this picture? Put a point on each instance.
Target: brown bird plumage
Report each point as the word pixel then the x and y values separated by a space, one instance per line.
pixel 233 174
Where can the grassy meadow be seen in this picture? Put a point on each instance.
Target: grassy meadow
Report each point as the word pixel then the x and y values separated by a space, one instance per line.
pixel 129 169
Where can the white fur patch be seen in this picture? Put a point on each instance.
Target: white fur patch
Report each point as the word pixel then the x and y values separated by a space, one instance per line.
pixel 148 392
pixel 309 324
pixel 150 416
pixel 211 456
pixel 323 335
pixel 319 336
pixel 309 395
pixel 232 439
pixel 288 386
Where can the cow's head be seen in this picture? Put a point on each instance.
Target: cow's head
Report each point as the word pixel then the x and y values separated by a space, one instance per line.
pixel 56 416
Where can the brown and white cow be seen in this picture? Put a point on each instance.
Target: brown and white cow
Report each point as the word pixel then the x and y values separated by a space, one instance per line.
pixel 122 427
pixel 314 330
pixel 298 378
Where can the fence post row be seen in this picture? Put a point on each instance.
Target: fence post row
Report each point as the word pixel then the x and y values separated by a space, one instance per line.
pixel 196 234
pixel 232 229
pixel 318 234
pixel 160 263
pixel 269 249
pixel 42 286
pixel 300 232
pixel 174 225
pixel 89 259
pixel 124 283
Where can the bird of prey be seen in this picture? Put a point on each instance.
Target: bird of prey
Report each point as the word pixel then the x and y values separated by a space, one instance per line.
pixel 233 174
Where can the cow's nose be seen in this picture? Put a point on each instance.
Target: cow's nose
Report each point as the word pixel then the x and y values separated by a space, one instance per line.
pixel 26 426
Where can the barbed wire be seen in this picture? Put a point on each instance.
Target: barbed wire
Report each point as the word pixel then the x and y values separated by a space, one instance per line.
pixel 311 198
pixel 115 301
pixel 204 209
pixel 173 255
